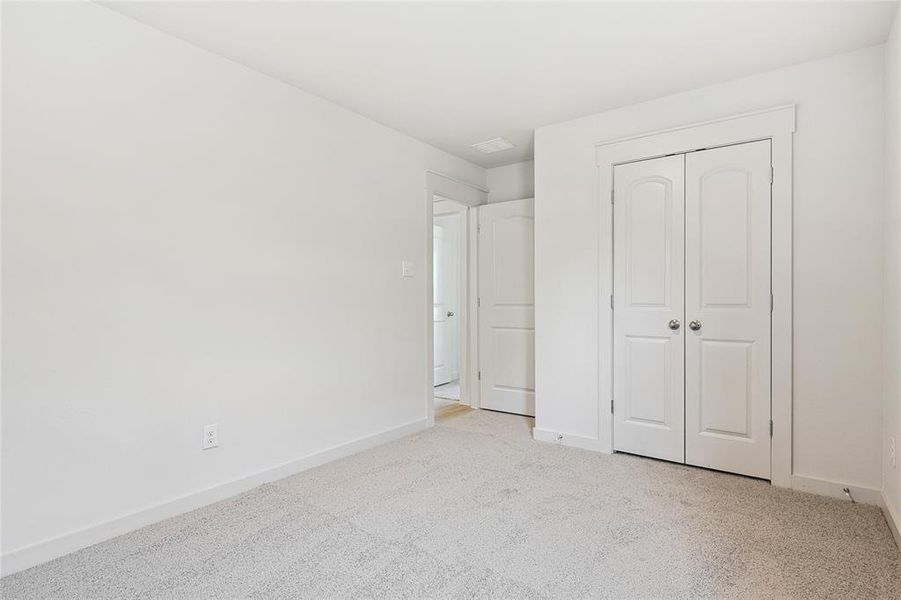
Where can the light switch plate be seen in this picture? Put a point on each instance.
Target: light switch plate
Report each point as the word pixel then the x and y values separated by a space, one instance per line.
pixel 406 268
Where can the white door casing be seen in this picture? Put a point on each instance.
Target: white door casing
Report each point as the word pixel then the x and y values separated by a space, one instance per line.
pixel 648 267
pixel 446 296
pixel 507 306
pixel 727 294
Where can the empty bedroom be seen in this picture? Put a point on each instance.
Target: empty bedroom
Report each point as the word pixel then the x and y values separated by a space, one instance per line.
pixel 451 299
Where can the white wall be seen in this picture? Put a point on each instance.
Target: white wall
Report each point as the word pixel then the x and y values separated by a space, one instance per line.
pixel 838 163
pixel 512 182
pixel 186 241
pixel 892 281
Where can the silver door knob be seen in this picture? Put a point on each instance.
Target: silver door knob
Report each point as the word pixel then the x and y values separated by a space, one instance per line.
pixel 694 325
pixel 674 324
pixel 450 313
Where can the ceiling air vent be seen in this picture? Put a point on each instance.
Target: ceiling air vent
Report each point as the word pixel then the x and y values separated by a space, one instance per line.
pixel 493 145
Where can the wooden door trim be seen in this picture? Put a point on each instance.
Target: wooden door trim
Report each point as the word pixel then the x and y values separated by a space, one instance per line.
pixel 775 124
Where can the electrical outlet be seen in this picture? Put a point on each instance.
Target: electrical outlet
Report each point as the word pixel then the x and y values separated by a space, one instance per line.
pixel 891 452
pixel 210 437
pixel 406 269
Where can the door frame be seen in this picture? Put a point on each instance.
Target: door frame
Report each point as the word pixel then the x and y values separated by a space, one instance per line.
pixel 440 187
pixel 777 125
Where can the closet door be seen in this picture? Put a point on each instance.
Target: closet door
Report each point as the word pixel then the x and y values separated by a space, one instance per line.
pixel 727 309
pixel 648 308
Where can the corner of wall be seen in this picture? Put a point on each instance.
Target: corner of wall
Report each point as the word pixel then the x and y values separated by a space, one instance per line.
pixel 512 182
pixel 891 343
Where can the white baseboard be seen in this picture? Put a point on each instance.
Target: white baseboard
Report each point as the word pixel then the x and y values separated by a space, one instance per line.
pixel 29 556
pixel 568 439
pixel 893 519
pixel 813 485
pixel 833 489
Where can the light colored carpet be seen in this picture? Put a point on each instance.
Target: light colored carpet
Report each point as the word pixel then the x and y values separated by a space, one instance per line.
pixel 450 391
pixel 475 509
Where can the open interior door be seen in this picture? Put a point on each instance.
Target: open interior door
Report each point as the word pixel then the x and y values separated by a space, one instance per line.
pixel 507 306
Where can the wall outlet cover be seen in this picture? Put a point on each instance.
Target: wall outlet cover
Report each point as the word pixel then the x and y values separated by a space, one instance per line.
pixel 210 436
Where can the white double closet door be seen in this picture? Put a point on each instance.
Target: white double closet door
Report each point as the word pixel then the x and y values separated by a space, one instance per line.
pixel 692 308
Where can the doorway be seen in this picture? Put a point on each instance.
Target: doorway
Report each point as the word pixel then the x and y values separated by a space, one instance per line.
pixel 449 284
pixel 454 204
pixel 692 307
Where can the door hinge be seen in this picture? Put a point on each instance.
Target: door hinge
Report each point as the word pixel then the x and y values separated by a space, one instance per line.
pixel 611 301
pixel 611 406
pixel 479 376
pixel 478 302
pixel 772 175
pixel 771 428
pixel 772 303
pixel 479 228
pixel 611 195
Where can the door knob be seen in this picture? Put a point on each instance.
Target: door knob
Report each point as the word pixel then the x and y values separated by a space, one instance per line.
pixel 694 325
pixel 450 313
pixel 674 324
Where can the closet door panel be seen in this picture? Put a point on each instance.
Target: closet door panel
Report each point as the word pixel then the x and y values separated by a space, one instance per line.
pixel 727 309
pixel 648 307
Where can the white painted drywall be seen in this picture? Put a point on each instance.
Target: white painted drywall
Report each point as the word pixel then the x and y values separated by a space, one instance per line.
pixel 512 182
pixel 892 281
pixel 838 184
pixel 187 241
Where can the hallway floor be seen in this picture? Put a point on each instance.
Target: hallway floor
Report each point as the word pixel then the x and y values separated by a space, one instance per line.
pixel 449 390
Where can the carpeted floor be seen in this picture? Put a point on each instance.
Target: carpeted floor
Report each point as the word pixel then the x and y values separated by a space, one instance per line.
pixel 475 509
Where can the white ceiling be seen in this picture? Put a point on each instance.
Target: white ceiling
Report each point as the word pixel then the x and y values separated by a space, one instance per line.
pixel 452 74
